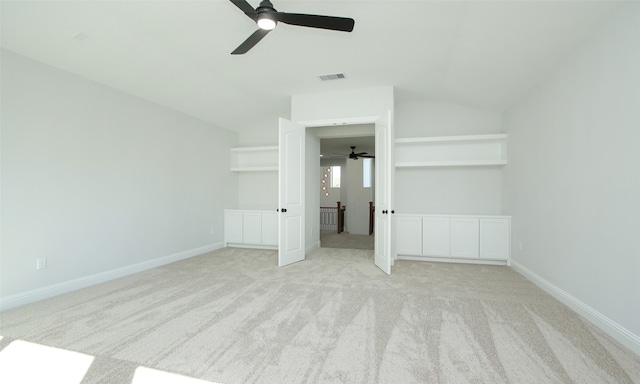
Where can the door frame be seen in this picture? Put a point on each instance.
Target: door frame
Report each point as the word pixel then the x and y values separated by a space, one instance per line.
pixel 354 121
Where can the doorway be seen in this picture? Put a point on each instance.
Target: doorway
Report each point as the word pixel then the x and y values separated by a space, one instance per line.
pixel 299 161
pixel 347 191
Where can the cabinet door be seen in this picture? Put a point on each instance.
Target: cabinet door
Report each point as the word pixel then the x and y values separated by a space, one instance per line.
pixel 465 237
pixel 435 236
pixel 233 227
pixel 408 235
pixel 251 228
pixel 269 228
pixel 495 238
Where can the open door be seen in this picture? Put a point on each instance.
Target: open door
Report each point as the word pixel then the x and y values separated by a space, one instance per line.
pixel 384 190
pixel 291 201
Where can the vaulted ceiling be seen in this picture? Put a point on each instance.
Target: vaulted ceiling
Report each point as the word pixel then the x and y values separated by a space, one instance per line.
pixel 482 54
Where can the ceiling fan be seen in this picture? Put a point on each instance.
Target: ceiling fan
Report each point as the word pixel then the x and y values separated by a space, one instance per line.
pixel 355 156
pixel 267 17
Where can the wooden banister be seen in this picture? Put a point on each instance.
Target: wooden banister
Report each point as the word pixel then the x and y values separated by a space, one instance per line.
pixel 340 218
pixel 372 210
pixel 332 218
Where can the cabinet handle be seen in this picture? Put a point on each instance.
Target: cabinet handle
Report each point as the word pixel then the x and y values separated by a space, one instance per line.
pixel 393 211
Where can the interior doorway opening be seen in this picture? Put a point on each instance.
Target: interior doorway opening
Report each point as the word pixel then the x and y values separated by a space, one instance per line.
pixel 347 189
pixel 299 160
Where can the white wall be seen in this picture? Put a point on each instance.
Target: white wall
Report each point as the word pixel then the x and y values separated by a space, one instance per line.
pixel 447 190
pixel 342 104
pixel 262 135
pixel 426 118
pixel 94 179
pixel 257 190
pixel 312 197
pixel 573 179
pixel 357 212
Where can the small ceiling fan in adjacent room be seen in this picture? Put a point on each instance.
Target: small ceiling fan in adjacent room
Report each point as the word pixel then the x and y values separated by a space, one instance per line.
pixel 355 156
pixel 267 18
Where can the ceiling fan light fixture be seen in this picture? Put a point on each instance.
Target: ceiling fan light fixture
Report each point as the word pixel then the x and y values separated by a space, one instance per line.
pixel 266 21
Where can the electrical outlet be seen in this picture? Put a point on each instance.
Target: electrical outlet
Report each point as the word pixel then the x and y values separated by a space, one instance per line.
pixel 41 263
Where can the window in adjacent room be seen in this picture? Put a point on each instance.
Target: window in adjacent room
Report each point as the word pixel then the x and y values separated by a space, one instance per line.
pixel 367 172
pixel 335 176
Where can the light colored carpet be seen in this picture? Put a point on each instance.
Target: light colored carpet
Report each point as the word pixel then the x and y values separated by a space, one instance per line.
pixel 346 240
pixel 232 316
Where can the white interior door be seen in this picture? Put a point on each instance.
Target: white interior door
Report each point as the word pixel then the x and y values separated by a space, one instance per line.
pixel 291 193
pixel 384 191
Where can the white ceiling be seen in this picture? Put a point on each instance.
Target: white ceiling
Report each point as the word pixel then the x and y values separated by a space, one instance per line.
pixel 342 146
pixel 477 53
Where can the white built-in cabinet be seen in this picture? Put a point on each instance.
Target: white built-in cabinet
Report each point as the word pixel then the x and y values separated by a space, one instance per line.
pixel 495 238
pixel 254 159
pixel 251 228
pixel 409 235
pixel 465 237
pixel 269 228
pixel 459 238
pixel 435 233
pixel 455 237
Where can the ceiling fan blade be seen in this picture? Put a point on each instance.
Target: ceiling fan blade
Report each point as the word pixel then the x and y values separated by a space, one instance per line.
pixel 316 21
pixel 250 42
pixel 245 7
pixel 361 153
pixel 367 156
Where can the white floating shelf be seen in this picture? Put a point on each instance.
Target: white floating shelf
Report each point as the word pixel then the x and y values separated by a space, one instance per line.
pixel 450 163
pixel 416 140
pixel 253 169
pixel 255 149
pixel 452 151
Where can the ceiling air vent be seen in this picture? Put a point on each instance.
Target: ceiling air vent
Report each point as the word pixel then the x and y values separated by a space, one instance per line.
pixel 334 76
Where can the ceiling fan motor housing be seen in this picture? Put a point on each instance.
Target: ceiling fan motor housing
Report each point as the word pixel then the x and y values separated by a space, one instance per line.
pixel 265 5
pixel 266 10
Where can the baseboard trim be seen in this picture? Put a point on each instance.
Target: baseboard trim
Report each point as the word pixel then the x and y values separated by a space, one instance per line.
pixel 23 298
pixel 610 327
pixel 251 246
pixel 452 260
pixel 312 247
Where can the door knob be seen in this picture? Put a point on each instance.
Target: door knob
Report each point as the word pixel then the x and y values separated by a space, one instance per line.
pixel 283 210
